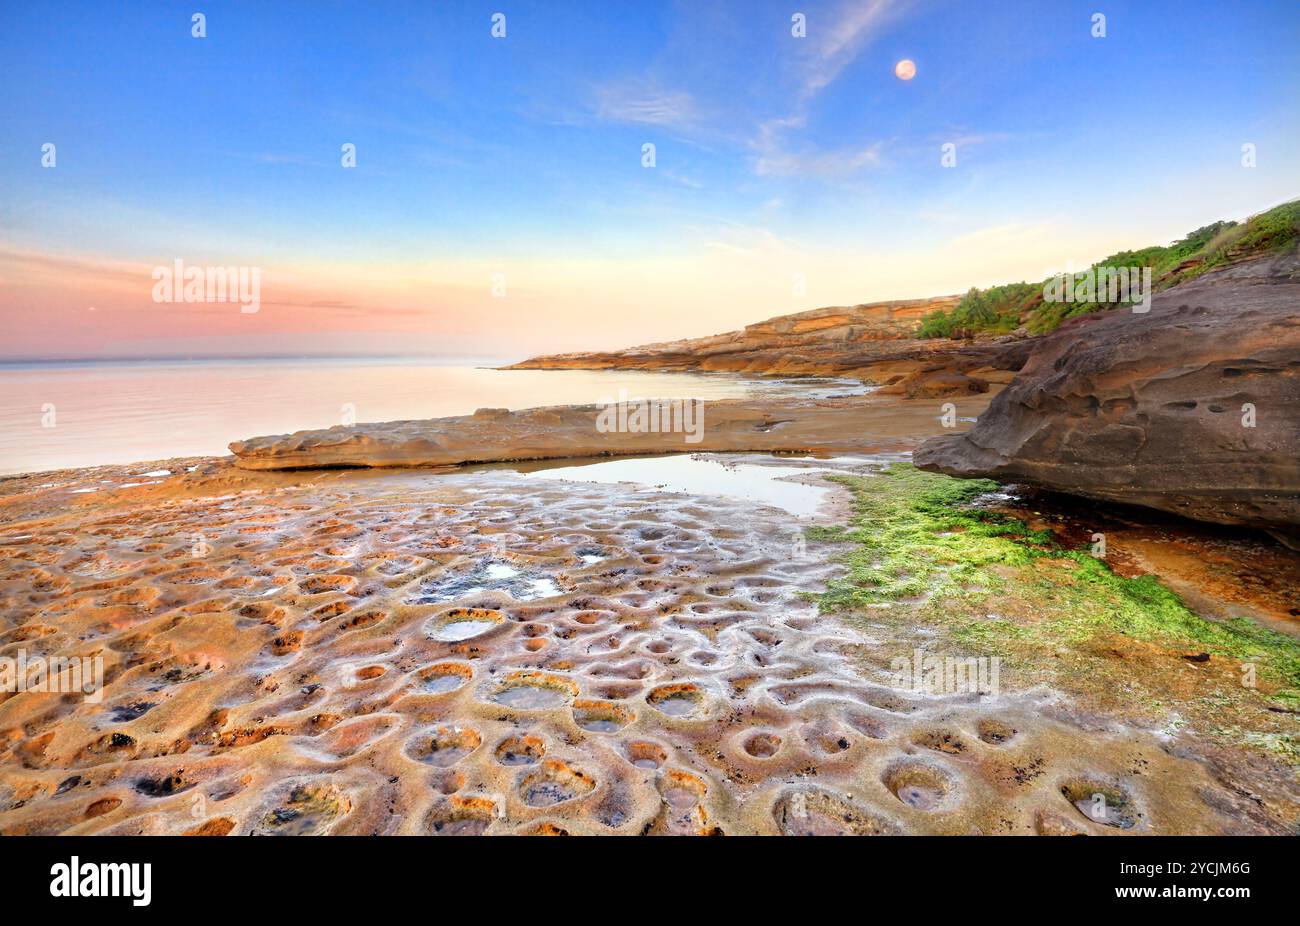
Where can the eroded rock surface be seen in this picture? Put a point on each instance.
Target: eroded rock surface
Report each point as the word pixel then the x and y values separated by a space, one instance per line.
pixel 489 435
pixel 300 654
pixel 1191 408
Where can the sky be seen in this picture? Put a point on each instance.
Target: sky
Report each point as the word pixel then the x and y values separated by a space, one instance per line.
pixel 501 204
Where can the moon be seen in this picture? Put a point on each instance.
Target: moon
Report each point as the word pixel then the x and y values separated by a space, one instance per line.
pixel 905 69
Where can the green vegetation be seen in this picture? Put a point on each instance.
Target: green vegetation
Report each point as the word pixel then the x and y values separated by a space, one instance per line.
pixel 915 533
pixel 1288 747
pixel 1001 309
pixel 922 552
pixel 997 310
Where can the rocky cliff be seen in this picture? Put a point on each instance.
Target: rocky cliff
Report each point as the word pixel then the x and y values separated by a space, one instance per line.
pixel 1192 407
pixel 874 342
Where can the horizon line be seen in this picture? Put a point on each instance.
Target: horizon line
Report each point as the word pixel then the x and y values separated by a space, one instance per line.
pixel 187 357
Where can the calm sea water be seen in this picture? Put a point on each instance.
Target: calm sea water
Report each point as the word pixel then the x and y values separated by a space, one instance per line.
pixel 137 411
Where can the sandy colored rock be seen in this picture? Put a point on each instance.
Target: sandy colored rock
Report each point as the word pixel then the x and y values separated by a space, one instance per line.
pixel 875 342
pixel 936 383
pixel 1155 409
pixel 674 678
pixel 491 435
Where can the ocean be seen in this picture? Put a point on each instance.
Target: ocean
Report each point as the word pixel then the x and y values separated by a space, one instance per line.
pixel 62 415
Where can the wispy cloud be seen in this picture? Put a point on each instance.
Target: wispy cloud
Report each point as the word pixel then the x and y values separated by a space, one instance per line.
pixel 835 43
pixel 28 267
pixel 775 157
pixel 640 104
pixel 777 162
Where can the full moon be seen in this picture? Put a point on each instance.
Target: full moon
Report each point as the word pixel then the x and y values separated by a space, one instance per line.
pixel 905 69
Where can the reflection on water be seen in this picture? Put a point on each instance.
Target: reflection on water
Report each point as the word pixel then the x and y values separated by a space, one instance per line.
pixel 127 412
pixel 705 475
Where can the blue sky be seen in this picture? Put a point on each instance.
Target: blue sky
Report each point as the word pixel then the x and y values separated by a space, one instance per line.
pixel 774 155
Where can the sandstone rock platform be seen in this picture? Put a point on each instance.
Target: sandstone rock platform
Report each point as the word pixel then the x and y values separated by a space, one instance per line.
pixel 804 425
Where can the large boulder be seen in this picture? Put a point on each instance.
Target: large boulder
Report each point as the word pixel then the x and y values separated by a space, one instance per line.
pixel 928 383
pixel 1191 408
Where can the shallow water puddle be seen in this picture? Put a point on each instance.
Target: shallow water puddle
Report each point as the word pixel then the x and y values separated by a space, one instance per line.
pixel 460 624
pixel 463 630
pixel 702 475
pixel 676 706
pixel 442 684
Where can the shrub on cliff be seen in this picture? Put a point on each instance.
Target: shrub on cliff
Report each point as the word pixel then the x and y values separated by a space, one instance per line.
pixel 996 310
pixel 1000 309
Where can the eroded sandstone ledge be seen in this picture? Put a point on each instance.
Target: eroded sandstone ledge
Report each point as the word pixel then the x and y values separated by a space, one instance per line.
pixel 497 435
pixel 873 342
pixel 1191 408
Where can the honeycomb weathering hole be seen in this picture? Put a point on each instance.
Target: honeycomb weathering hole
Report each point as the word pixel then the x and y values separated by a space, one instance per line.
pixel 677 700
pixel 444 677
pixel 103 806
pixel 682 810
pixel 646 755
pixel 307 809
pixel 682 789
pixel 460 624
pixel 449 745
pixel 814 812
pixel 521 750
pixel 1101 802
pixel 600 716
pixel 535 691
pixel 945 741
pixel 313 585
pixel 763 745
pixel 462 816
pixel 916 784
pixel 362 620
pixel 554 783
pixel 995 732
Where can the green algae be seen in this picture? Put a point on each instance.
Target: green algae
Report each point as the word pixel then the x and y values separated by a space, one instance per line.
pixel 919 548
pixel 915 533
